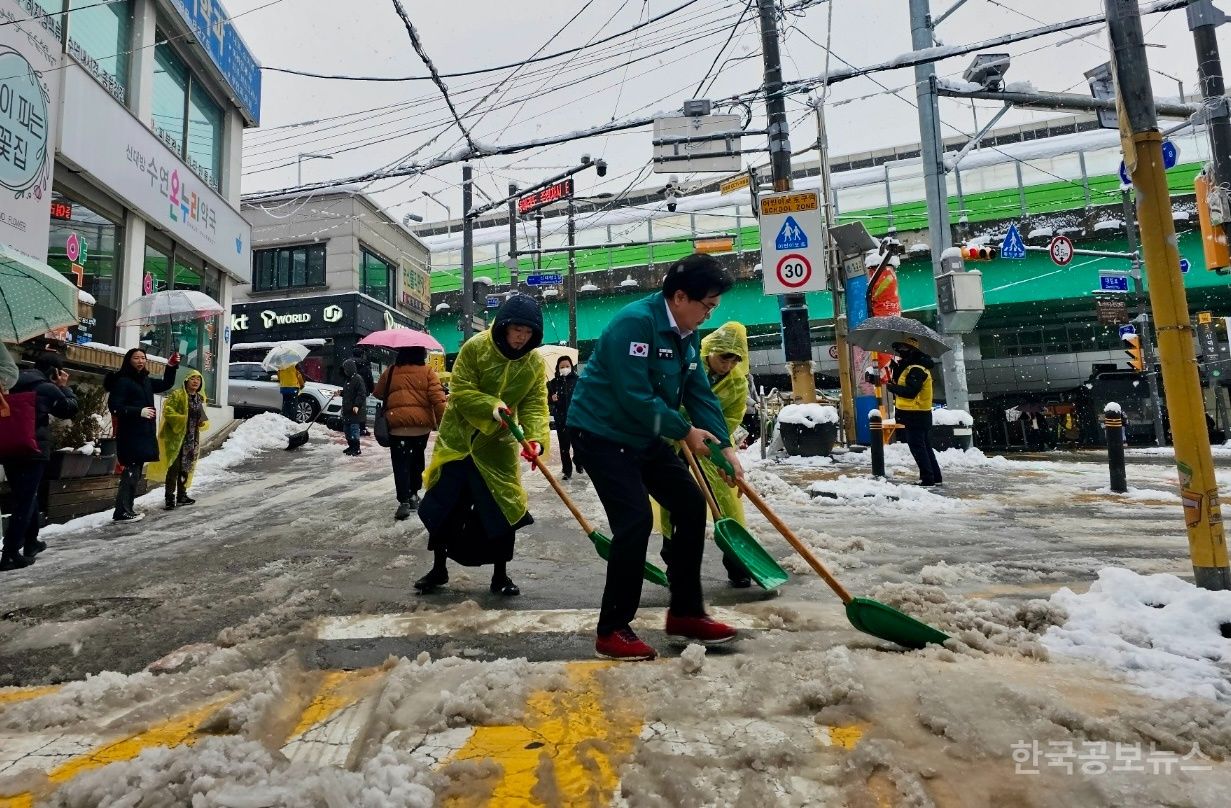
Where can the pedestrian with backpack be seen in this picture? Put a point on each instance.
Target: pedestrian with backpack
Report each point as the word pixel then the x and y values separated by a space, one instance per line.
pixel 414 404
pixel 25 435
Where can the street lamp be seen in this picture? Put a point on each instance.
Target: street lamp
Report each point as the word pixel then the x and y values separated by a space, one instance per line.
pixel 299 163
pixel 448 212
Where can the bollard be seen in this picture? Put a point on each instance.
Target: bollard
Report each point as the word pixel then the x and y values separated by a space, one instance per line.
pixel 878 445
pixel 1113 423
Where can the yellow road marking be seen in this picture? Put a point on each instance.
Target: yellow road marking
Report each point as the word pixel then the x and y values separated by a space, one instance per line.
pixel 568 748
pixel 179 730
pixel 337 690
pixel 26 693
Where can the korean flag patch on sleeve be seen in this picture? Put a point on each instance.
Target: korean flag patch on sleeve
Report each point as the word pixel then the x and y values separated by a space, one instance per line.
pixel 641 349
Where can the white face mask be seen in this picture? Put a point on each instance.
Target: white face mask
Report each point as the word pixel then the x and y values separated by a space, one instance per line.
pixel 566 370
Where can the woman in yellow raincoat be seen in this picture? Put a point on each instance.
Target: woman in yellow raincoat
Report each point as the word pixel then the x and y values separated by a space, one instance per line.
pixel 473 503
pixel 179 438
pixel 726 363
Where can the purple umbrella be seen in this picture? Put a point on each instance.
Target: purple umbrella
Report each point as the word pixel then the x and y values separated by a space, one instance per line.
pixel 402 338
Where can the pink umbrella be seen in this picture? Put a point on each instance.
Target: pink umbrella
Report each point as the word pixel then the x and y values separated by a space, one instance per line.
pixel 402 338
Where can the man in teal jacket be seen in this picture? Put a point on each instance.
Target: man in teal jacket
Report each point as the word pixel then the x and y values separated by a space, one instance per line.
pixel 624 418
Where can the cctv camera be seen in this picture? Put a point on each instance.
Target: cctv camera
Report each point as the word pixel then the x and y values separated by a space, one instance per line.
pixel 585 159
pixel 601 168
pixel 671 205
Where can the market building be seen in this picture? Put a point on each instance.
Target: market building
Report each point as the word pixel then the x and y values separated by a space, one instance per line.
pixel 137 141
pixel 330 268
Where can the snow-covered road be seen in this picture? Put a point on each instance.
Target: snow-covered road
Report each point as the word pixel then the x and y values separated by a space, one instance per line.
pixel 264 647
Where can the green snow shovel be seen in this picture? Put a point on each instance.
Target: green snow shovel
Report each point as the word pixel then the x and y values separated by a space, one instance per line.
pixel 867 615
pixel 734 538
pixel 601 543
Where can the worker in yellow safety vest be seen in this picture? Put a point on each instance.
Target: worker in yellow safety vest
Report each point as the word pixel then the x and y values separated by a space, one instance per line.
pixel 910 381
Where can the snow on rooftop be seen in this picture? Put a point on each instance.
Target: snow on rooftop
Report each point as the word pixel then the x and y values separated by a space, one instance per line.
pixel 1109 224
pixel 1041 232
pixel 85 297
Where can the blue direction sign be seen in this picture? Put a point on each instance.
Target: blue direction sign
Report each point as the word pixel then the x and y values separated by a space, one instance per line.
pixel 791 236
pixel 1185 265
pixel 1125 330
pixel 1013 246
pixel 1113 283
pixel 493 301
pixel 544 280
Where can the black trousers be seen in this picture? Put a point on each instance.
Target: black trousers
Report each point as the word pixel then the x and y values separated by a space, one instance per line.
pixel 127 492
pixel 624 479
pixel 176 482
pixel 406 455
pixel 567 454
pixel 919 438
pixel 24 477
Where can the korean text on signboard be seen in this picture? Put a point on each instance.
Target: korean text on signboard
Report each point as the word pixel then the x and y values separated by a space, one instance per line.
pixel 213 30
pixel 545 196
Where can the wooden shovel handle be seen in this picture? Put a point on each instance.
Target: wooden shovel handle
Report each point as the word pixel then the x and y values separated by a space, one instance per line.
pixel 794 541
pixel 705 489
pixel 515 430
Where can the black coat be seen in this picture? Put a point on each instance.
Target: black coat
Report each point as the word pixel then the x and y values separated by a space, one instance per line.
pixel 136 438
pixel 355 394
pixel 50 400
pixel 561 387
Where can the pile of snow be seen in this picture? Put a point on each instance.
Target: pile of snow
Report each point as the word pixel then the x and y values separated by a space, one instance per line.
pixel 919 248
pixel 1109 224
pixel 1160 632
pixel 260 433
pixel 235 772
pixel 85 297
pixel 880 495
pixel 1019 87
pixel 1112 408
pixel 808 414
pixel 898 454
pixel 1140 494
pixel 944 416
pixel 958 85
pixel 1040 233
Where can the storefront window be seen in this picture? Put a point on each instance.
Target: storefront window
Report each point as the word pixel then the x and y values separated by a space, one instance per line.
pixel 288 268
pixel 376 276
pixel 157 338
pixel 170 95
pixel 196 341
pixel 100 38
pixel 85 247
pixel 204 136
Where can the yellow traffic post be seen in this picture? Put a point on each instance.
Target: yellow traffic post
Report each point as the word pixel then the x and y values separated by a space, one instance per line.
pixel 1207 540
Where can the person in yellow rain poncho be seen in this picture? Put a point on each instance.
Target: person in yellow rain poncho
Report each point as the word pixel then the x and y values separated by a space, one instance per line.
pixel 474 503
pixel 726 363
pixel 179 438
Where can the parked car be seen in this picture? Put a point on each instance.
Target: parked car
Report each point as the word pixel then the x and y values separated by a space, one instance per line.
pixel 252 388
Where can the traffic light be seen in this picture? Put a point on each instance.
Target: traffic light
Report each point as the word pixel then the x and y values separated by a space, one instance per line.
pixel 980 253
pixel 1132 347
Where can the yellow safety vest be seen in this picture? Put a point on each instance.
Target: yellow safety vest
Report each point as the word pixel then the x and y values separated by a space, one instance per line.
pixel 923 401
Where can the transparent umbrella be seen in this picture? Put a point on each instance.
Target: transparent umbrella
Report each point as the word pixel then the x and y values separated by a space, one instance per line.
pixel 171 306
pixel 284 354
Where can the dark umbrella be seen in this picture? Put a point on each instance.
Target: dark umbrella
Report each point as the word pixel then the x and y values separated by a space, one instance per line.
pixel 880 333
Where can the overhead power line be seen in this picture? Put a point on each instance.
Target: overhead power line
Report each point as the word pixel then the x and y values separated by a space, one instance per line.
pixel 427 60
pixel 480 71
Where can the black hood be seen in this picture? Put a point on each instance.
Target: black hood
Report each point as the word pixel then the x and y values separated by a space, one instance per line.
pixel 349 368
pixel 917 357
pixel 518 310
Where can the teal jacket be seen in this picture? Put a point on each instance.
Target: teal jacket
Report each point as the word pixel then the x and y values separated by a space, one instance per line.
pixel 639 377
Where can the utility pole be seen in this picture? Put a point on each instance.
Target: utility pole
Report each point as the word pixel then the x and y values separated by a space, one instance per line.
pixel 1203 21
pixel 931 148
pixel 1143 154
pixel 572 275
pixel 538 239
pixel 1143 316
pixel 796 336
pixel 467 252
pixel 834 266
pixel 512 263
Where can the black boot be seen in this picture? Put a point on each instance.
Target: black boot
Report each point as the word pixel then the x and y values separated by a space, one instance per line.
pixel 33 547
pixel 504 586
pixel 403 511
pixel 436 577
pixel 169 505
pixel 184 499
pixel 13 560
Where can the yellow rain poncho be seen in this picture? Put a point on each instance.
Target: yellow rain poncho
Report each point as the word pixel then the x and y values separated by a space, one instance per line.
pixel 172 429
pixel 481 378
pixel 732 392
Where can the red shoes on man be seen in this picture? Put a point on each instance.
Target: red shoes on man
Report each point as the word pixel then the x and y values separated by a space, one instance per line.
pixel 625 645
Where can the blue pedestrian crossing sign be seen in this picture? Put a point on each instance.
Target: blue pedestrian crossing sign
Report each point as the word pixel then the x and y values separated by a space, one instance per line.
pixel 791 236
pixel 1013 246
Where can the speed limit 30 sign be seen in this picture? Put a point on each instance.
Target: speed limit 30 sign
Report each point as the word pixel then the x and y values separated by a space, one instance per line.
pixel 792 253
pixel 793 271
